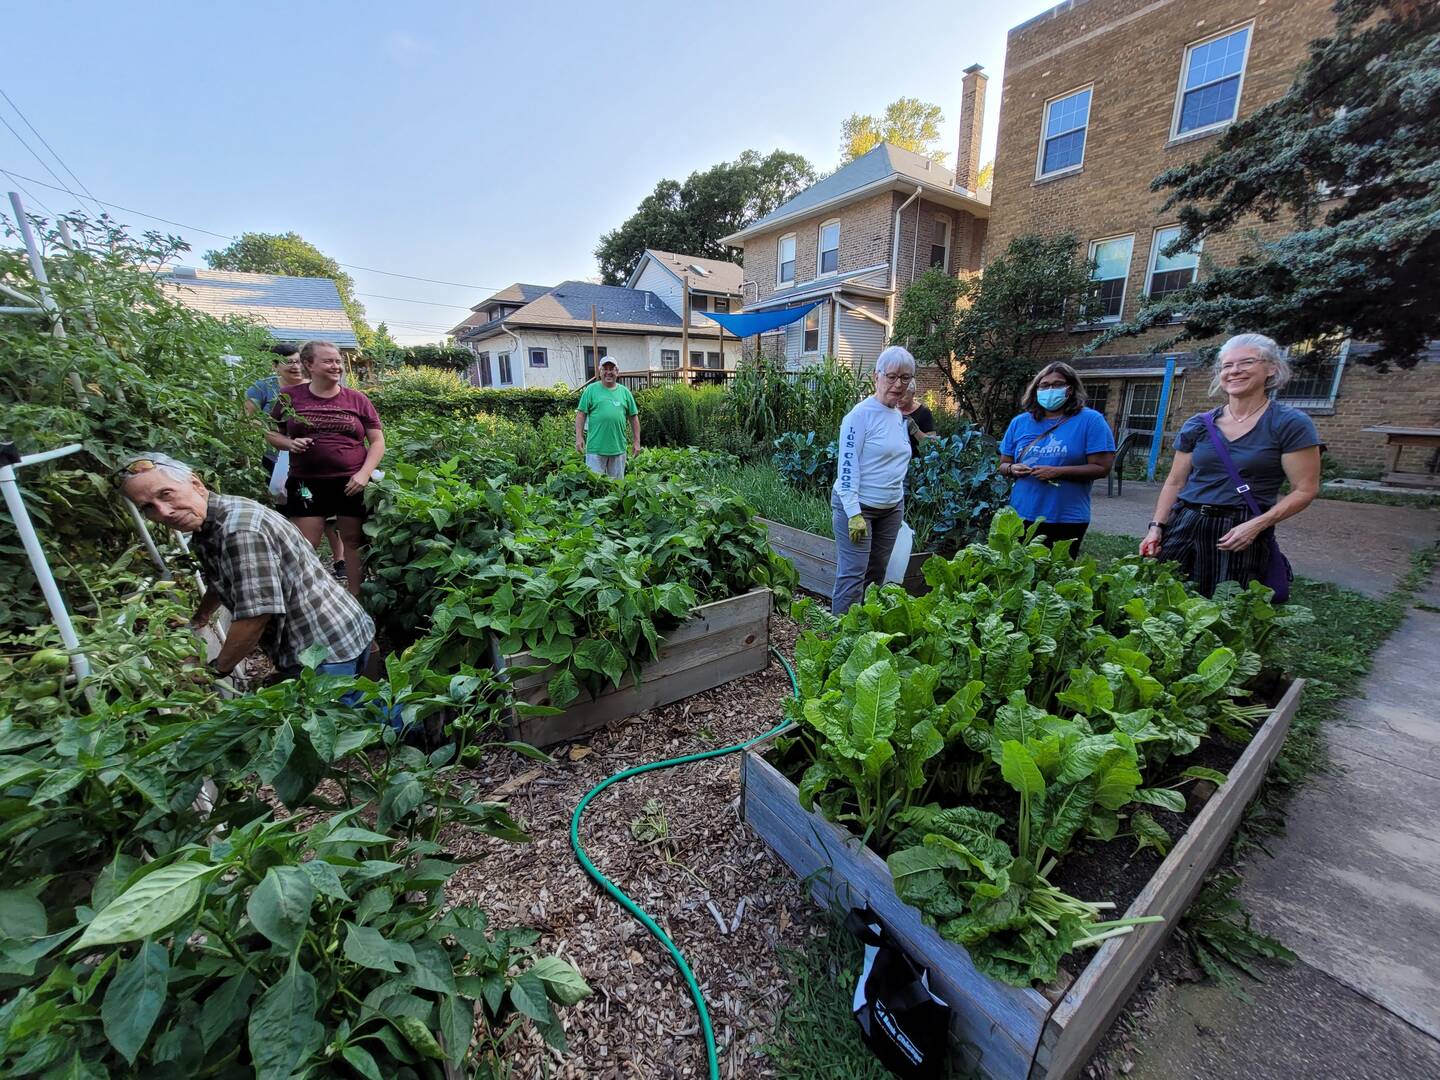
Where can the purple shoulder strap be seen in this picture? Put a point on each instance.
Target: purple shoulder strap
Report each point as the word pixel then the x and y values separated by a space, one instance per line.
pixel 1218 441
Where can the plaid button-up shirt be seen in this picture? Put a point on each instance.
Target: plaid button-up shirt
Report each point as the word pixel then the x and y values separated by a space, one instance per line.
pixel 259 564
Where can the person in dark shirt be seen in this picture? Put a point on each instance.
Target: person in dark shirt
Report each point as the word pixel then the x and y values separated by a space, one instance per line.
pixel 333 435
pixel 920 415
pixel 1201 519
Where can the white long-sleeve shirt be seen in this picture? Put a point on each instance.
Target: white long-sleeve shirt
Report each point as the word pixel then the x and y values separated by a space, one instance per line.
pixel 874 455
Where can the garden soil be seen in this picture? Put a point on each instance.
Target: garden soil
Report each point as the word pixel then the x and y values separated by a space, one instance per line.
pixel 710 871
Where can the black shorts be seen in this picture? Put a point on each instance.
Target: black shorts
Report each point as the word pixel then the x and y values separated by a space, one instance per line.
pixel 327 498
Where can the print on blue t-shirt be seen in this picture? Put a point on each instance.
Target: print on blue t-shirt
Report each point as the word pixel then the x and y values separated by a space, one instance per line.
pixel 1078 436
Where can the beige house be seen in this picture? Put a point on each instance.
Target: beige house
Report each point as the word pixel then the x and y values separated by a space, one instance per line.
pixel 857 238
pixel 535 336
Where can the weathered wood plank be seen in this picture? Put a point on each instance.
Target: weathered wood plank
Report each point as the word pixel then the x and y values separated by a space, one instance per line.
pixel 1004 1023
pixel 722 641
pixel 1086 1012
pixel 685 645
pixel 813 557
pixel 588 716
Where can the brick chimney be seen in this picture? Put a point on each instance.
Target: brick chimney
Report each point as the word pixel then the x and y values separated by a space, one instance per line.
pixel 972 118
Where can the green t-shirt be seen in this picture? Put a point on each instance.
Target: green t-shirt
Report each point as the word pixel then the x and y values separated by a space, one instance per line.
pixel 607 423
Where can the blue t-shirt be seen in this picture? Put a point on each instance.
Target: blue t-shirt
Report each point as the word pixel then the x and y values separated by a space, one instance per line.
pixel 1077 437
pixel 264 392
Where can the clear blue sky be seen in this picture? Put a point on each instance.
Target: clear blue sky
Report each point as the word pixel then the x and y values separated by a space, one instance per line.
pixel 481 144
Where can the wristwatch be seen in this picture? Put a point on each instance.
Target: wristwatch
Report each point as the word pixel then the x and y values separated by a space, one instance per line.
pixel 1158 525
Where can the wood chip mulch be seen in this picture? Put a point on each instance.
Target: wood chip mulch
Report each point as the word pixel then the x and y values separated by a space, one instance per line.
pixel 698 870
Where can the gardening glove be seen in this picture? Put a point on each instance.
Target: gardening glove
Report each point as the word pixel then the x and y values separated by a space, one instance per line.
pixel 858 529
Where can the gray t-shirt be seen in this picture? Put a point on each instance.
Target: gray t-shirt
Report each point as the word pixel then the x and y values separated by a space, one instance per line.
pixel 1256 454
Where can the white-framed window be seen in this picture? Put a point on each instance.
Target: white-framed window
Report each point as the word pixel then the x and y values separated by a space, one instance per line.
pixel 670 359
pixel 1315 381
pixel 539 358
pixel 1210 81
pixel 810 339
pixel 827 258
pixel 482 365
pixel 940 243
pixel 1112 267
pixel 698 302
pixel 785 260
pixel 720 304
pixel 1169 273
pixel 697 358
pixel 1062 133
pixel 590 359
pixel 506 378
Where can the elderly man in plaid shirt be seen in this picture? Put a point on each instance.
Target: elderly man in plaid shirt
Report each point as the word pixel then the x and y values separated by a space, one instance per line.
pixel 258 565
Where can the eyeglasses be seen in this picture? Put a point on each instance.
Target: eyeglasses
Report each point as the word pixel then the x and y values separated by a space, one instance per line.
pixel 1061 385
pixel 135 468
pixel 1244 364
pixel 895 378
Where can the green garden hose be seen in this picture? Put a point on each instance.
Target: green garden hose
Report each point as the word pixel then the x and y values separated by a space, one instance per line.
pixel 635 909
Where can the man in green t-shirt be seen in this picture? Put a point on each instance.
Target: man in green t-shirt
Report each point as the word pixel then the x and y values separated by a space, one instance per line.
pixel 606 409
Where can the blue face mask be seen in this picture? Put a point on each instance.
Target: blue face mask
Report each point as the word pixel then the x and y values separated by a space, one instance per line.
pixel 1052 399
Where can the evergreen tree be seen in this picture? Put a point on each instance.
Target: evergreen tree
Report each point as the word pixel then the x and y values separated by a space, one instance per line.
pixel 1352 153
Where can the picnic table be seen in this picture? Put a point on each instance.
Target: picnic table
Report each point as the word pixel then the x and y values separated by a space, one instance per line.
pixel 1398 439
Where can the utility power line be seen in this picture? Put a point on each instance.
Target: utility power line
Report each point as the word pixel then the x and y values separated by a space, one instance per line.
pixel 230 236
pixel 53 153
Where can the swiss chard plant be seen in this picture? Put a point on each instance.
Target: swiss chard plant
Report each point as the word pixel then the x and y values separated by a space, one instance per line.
pixel 1023 679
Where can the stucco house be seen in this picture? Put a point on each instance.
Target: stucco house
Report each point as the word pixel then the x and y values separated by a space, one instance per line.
pixel 856 239
pixel 535 336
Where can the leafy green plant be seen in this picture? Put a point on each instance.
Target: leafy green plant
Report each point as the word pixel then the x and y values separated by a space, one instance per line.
pixel 1022 675
pixel 1217 929
pixel 803 462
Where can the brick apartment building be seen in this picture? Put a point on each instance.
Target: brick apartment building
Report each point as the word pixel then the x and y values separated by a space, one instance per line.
pixel 854 240
pixel 1099 97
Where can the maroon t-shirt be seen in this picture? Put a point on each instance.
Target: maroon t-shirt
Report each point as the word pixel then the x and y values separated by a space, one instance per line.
pixel 337 424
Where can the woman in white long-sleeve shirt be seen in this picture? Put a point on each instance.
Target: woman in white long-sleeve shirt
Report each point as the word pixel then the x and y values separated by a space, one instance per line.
pixel 867 502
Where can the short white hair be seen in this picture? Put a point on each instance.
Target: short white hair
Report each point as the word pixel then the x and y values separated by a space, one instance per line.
pixel 895 358
pixel 1270 352
pixel 162 462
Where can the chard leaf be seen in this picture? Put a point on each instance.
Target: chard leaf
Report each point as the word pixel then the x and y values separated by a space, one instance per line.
pixel 877 693
pixel 1165 798
pixel 1019 770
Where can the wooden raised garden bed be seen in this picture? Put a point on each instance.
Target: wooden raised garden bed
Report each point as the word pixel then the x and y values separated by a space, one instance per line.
pixel 1007 1032
pixel 719 642
pixel 813 557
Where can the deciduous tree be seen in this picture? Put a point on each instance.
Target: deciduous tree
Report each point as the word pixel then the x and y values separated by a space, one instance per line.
pixel 1351 155
pixel 691 217
pixel 907 122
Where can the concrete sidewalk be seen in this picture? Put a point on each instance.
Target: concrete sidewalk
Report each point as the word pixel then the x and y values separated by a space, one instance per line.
pixel 1353 887
pixel 1363 547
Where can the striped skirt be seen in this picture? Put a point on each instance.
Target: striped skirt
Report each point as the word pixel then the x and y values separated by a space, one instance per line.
pixel 1191 541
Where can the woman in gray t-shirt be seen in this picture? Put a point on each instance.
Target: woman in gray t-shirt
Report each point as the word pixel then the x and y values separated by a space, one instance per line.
pixel 1201 520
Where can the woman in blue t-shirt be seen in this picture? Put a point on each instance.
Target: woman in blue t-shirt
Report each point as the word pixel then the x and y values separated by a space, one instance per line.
pixel 1055 450
pixel 1201 518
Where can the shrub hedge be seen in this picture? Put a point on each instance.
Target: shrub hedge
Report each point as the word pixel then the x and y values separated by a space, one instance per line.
pixel 435 391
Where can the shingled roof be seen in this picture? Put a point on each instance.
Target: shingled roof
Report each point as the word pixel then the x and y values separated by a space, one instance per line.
pixel 616 307
pixel 706 275
pixel 290 308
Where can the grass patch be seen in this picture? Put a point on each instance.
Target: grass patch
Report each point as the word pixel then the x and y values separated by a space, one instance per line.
pixel 770 497
pixel 1380 498
pixel 816 1037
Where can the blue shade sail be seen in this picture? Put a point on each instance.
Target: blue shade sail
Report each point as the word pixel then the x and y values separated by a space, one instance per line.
pixel 747 325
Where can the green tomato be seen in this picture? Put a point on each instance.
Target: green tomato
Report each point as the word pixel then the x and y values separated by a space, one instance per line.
pixel 40 688
pixel 49 660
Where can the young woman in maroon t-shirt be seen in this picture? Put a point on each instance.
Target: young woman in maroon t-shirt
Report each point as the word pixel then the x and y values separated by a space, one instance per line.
pixel 333 435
